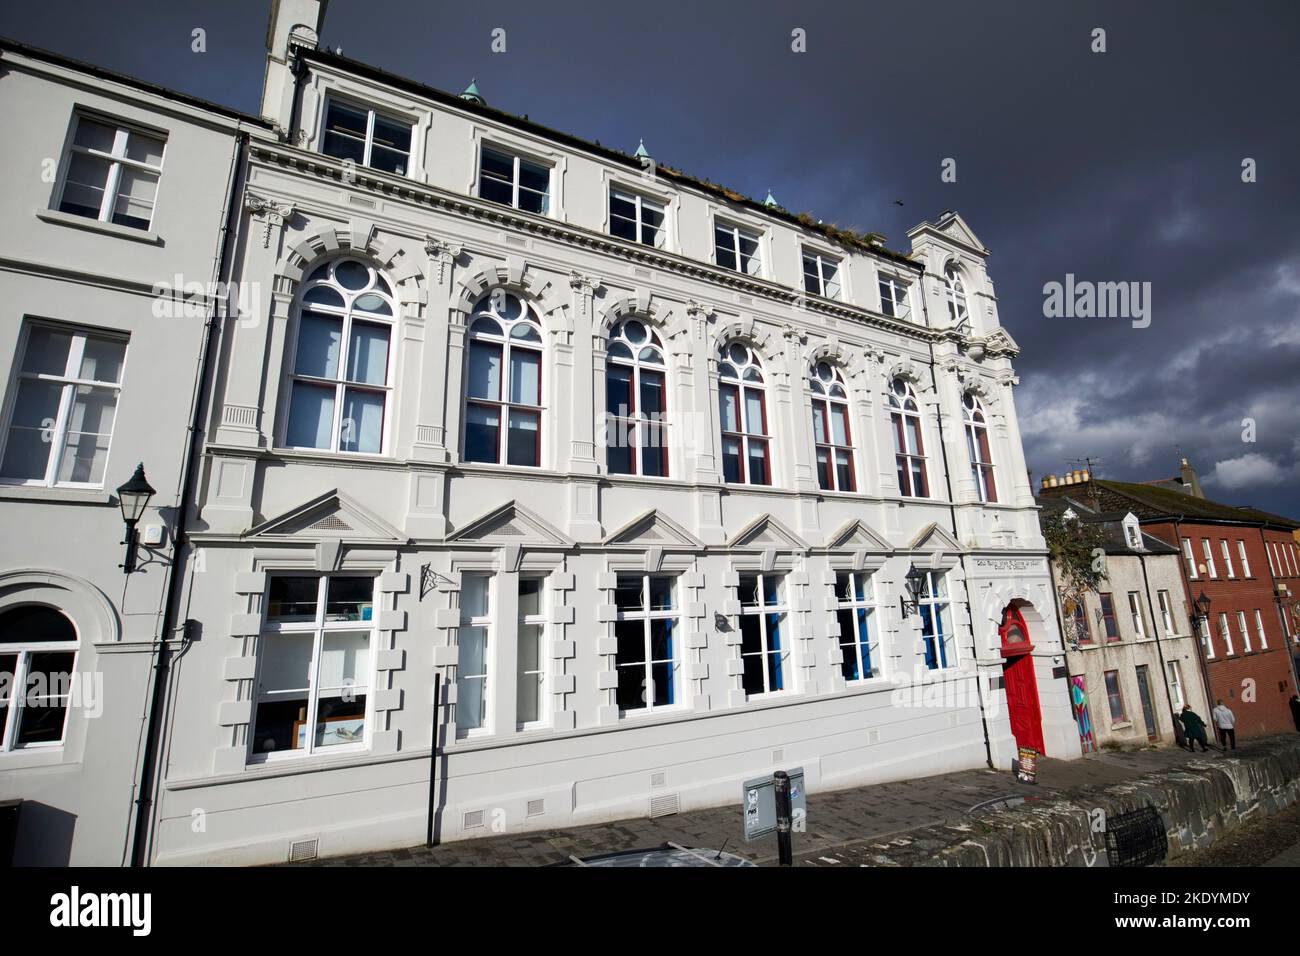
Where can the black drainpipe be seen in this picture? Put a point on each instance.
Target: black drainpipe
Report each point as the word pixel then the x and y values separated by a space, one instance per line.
pixel 1155 630
pixel 952 519
pixel 189 480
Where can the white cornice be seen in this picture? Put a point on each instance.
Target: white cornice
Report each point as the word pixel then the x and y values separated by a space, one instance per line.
pixel 280 158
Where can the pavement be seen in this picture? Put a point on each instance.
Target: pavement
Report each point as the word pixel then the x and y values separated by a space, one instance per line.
pixel 841 824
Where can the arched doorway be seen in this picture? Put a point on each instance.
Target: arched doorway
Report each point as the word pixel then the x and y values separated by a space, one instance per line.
pixel 1018 679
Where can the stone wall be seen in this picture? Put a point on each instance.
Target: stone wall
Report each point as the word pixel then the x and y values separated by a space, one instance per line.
pixel 1199 803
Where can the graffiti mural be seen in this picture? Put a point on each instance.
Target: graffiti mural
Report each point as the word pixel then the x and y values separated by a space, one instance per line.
pixel 1079 701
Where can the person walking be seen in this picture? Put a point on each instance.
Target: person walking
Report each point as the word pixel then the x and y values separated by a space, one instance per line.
pixel 1225 725
pixel 1194 728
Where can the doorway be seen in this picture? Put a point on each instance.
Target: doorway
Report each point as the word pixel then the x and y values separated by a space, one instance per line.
pixel 1019 681
pixel 1148 710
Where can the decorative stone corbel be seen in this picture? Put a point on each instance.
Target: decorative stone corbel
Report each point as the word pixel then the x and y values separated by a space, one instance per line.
pixel 584 288
pixel 274 214
pixel 443 252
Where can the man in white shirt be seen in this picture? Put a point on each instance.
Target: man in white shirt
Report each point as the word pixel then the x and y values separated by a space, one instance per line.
pixel 1225 724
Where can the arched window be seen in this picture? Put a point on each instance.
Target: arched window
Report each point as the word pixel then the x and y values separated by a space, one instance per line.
pixel 977 447
pixel 38 648
pixel 503 396
pixel 909 451
pixel 636 400
pixel 956 291
pixel 341 379
pixel 742 406
pixel 831 433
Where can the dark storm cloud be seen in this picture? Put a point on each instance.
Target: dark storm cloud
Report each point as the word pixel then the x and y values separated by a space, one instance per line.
pixel 1116 166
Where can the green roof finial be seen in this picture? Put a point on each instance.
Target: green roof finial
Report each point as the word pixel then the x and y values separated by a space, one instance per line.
pixel 641 151
pixel 472 94
pixel 770 200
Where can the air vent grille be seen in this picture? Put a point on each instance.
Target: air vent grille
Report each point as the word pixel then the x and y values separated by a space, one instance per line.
pixel 536 808
pixel 663 805
pixel 303 850
pixel 658 779
pixel 474 818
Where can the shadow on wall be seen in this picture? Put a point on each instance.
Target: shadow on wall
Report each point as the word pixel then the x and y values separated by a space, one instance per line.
pixel 44 835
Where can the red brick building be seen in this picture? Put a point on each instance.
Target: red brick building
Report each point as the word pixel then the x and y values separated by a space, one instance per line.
pixel 1243 561
pixel 1280 537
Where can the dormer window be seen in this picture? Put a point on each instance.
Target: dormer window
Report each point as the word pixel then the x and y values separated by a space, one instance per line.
pixel 514 181
pixel 1133 533
pixel 367 138
pixel 736 249
pixel 894 301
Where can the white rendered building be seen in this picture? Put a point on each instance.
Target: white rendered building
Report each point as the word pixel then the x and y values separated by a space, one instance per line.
pixel 115 201
pixel 634 471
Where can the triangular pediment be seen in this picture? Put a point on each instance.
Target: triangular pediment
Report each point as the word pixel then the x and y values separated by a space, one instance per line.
pixel 934 538
pixel 654 528
pixel 1000 341
pixel 766 532
pixel 957 229
pixel 512 523
pixel 857 534
pixel 331 515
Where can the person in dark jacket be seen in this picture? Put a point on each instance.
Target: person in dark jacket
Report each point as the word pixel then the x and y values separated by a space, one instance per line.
pixel 1295 710
pixel 1194 728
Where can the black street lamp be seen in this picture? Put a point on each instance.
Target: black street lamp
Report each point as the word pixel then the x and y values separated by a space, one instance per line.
pixel 1202 606
pixel 915 587
pixel 133 497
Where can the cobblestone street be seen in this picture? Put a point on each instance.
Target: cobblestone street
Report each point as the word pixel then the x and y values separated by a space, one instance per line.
pixel 842 825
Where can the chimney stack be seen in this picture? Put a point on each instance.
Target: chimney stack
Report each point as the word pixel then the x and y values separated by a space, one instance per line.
pixel 294 23
pixel 1187 474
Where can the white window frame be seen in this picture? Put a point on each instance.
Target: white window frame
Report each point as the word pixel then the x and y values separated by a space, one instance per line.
pixel 640 202
pixel 1225 632
pixel 821 261
pixel 899 409
pixel 378 285
pixel 736 230
pixel 785 648
pixel 1272 564
pixel 1207 636
pixel 486 622
pixel 318 628
pixel 935 602
pixel 1166 612
pixel 1227 558
pixel 1208 551
pixel 868 604
pixel 741 387
pixel 1176 684
pixel 975 422
pixel 642 429
pixel 1135 614
pixel 1259 630
pixel 517 160
pixel 1191 558
pixel 955 293
pixel 1245 562
pixel 646 614
pixel 506 408
pixel 17 693
pixel 823 404
pixel 542 621
pixel 69 382
pixel 117 160
pixel 895 293
pixel 370 112
pixel 1245 631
